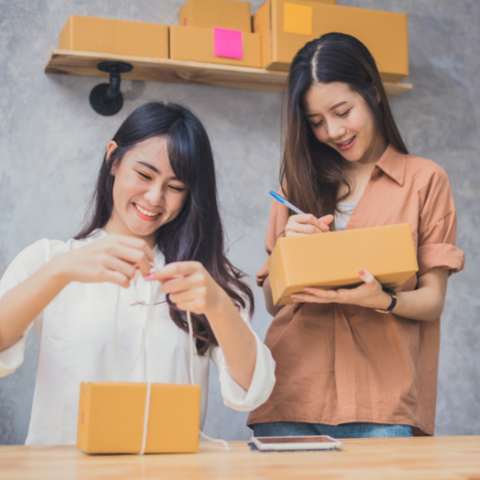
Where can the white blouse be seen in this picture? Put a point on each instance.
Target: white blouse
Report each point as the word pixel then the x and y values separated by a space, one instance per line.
pixel 343 214
pixel 76 332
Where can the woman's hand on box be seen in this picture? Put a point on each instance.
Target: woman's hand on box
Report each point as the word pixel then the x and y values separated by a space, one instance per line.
pixel 306 224
pixel 369 294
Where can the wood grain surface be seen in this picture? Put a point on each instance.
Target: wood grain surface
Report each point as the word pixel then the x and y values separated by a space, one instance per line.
pixel 419 458
pixel 174 71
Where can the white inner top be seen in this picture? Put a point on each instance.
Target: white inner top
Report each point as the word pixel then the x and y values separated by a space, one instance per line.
pixel 76 332
pixel 343 216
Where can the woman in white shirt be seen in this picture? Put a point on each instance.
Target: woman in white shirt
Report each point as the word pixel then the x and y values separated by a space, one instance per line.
pixel 155 203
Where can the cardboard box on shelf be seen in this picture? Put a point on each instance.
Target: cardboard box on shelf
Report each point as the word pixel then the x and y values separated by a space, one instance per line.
pixel 111 418
pixel 332 260
pixel 207 45
pixel 234 15
pixel 119 37
pixel 287 25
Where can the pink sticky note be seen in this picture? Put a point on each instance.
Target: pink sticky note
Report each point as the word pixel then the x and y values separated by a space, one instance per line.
pixel 227 43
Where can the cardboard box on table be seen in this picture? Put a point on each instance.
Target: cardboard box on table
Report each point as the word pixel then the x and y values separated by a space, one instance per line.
pixel 111 418
pixel 287 25
pixel 234 15
pixel 332 260
pixel 119 37
pixel 197 45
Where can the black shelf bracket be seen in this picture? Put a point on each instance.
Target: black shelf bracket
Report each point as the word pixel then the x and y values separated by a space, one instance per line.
pixel 106 98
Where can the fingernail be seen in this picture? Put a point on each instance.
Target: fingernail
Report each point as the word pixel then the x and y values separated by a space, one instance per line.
pixel 150 277
pixel 361 272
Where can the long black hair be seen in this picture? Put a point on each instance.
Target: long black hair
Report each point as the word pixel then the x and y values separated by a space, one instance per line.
pixel 312 172
pixel 197 232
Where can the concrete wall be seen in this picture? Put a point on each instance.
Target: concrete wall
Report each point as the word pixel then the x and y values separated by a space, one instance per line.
pixel 51 145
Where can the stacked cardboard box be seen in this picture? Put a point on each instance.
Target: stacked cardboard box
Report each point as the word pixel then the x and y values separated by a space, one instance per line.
pixel 119 37
pixel 220 32
pixel 332 260
pixel 287 25
pixel 215 31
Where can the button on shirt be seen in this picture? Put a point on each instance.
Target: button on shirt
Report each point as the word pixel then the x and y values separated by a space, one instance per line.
pixel 344 363
pixel 76 332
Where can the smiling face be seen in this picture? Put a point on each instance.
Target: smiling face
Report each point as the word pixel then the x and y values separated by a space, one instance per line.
pixel 342 119
pixel 146 192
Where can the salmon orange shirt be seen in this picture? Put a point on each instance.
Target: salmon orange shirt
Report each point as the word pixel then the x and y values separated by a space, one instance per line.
pixel 344 363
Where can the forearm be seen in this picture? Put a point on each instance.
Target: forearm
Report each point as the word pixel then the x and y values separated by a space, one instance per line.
pixel 236 340
pixel 21 305
pixel 427 301
pixel 423 304
pixel 267 292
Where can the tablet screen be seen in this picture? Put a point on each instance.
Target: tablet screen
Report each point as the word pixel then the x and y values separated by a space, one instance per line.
pixel 309 439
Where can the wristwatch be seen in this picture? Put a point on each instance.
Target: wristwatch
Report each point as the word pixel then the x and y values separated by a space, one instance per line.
pixel 392 305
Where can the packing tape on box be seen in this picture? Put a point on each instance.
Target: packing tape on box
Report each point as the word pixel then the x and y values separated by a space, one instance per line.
pixel 151 305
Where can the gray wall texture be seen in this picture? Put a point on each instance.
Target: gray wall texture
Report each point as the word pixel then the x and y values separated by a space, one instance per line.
pixel 52 143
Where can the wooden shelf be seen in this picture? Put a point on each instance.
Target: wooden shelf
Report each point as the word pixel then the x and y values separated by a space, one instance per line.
pixel 68 62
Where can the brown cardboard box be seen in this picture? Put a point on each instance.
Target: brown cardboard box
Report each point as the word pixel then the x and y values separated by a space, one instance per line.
pixel 332 260
pixel 111 417
pixel 196 45
pixel 119 37
pixel 234 15
pixel 384 33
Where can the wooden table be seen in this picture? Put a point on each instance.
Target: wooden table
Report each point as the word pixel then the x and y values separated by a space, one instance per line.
pixel 392 458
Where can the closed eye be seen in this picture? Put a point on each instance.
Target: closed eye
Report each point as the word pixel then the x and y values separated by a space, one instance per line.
pixel 177 189
pixel 344 114
pixel 144 176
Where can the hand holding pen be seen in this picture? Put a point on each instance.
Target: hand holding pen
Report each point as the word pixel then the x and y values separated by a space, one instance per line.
pixel 303 223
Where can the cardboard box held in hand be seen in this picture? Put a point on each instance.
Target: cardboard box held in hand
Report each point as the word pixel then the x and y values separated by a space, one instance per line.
pixel 111 418
pixel 332 260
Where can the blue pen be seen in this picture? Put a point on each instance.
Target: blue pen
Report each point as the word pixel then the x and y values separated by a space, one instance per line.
pixel 278 197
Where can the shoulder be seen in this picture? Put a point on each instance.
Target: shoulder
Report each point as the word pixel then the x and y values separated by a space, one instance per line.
pixel 26 263
pixel 432 185
pixel 37 254
pixel 42 251
pixel 425 172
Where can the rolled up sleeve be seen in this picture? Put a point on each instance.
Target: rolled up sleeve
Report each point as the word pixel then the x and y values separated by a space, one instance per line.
pixel 438 229
pixel 234 396
pixel 437 250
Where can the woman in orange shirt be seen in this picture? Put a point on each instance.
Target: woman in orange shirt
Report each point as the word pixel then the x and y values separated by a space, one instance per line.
pixel 359 362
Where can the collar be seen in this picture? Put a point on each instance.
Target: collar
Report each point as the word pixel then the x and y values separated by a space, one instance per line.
pixel 393 164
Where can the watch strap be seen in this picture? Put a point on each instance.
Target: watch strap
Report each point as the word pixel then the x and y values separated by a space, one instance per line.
pixel 392 305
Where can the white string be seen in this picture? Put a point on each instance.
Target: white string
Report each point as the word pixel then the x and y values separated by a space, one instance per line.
pixel 110 370
pixel 147 371
pixel 192 379
pixel 144 340
pixel 191 345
